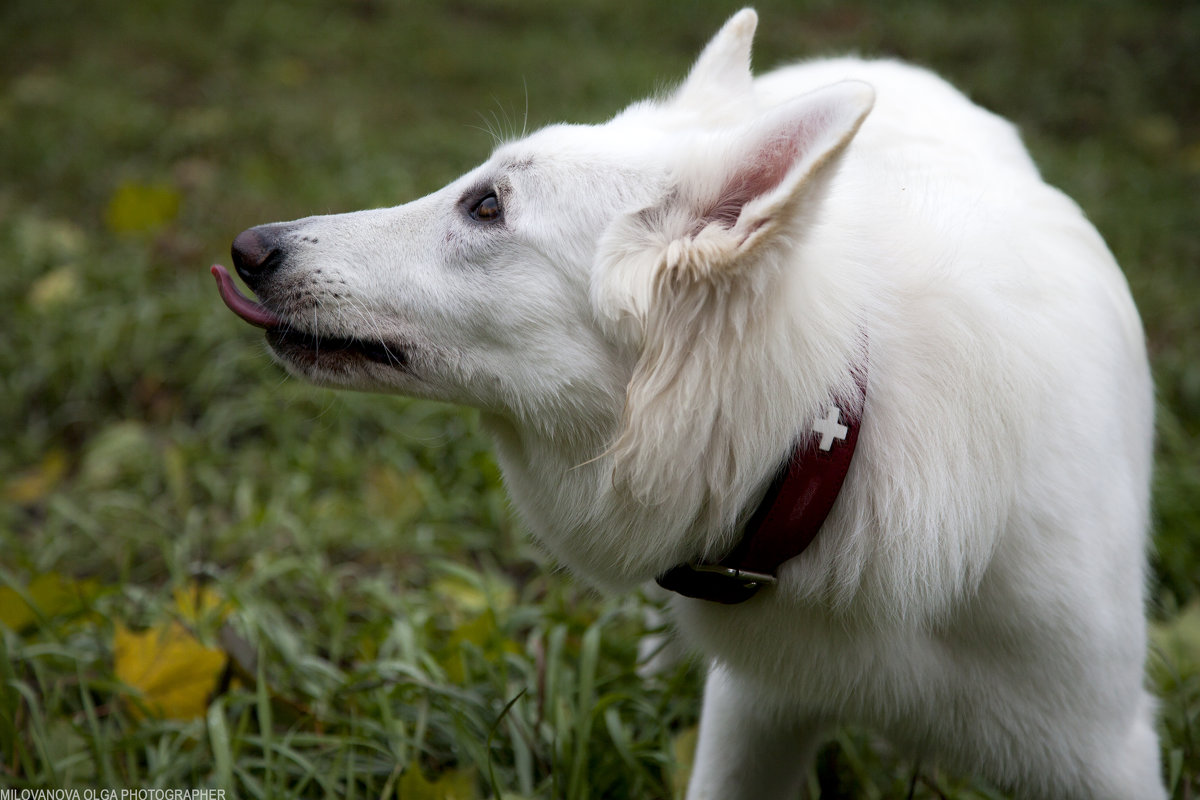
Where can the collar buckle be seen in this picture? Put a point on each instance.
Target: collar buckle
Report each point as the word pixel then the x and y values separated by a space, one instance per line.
pixel 715 582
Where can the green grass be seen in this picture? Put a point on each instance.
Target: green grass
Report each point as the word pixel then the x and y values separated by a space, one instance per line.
pixel 150 447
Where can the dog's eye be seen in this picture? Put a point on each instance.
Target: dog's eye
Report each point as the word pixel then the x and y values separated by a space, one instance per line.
pixel 487 209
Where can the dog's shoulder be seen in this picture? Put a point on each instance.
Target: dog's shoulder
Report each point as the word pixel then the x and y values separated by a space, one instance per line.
pixel 917 113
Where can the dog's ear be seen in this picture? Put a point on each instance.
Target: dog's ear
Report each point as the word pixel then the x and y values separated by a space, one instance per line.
pixel 768 167
pixel 733 194
pixel 723 69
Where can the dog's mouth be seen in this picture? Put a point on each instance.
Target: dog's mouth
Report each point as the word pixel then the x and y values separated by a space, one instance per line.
pixel 306 348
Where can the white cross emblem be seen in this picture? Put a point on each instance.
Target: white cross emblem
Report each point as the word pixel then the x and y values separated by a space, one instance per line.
pixel 830 429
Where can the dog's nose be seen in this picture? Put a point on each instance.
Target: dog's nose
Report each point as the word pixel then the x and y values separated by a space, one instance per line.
pixel 256 253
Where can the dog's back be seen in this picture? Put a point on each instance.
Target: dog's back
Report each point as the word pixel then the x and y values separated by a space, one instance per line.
pixel 982 576
pixel 978 590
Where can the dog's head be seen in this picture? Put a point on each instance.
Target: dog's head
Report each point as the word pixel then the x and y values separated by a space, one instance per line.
pixel 577 275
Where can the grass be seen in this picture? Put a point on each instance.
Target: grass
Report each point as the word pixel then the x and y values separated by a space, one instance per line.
pixel 382 626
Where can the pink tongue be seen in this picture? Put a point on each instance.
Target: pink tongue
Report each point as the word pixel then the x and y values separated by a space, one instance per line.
pixel 241 305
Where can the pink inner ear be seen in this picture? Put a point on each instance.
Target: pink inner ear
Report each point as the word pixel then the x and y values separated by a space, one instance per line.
pixel 766 168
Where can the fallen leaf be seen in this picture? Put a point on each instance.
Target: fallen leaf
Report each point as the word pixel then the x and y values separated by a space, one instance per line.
pixel 289 72
pixel 31 486
pixel 1191 157
pixel 196 602
pixel 394 494
pixel 119 451
pixel 683 746
pixel 54 288
pixel 453 784
pixel 172 672
pixel 483 632
pixel 51 595
pixel 48 242
pixel 471 597
pixel 140 207
pixel 1156 132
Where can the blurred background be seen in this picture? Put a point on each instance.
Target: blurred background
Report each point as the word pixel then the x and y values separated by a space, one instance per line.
pixel 212 575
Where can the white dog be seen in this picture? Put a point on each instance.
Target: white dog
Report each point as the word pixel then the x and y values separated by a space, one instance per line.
pixel 656 313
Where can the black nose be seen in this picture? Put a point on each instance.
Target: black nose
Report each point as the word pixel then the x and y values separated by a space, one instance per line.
pixel 257 252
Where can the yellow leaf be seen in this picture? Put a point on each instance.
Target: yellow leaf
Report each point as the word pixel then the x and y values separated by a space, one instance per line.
pixel 120 451
pixel 453 784
pixel 1156 132
pixel 196 602
pixel 35 483
pixel 1191 157
pixel 471 598
pixel 169 668
pixel 473 607
pixel 394 494
pixel 289 72
pixel 48 242
pixel 175 470
pixel 683 746
pixel 54 288
pixel 52 596
pixel 15 613
pixel 484 633
pixel 139 207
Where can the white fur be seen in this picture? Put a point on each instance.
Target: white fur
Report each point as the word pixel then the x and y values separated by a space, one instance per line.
pixel 672 296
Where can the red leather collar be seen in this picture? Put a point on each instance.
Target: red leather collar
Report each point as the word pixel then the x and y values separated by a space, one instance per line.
pixel 790 515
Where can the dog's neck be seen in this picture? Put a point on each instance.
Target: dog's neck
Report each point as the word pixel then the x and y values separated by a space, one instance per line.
pixel 788 517
pixel 709 461
pixel 569 501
